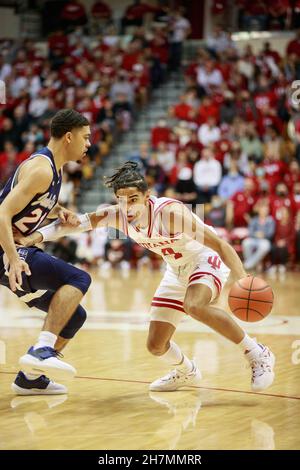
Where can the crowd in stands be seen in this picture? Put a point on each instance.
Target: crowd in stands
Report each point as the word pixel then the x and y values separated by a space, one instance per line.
pixel 232 141
pixel 260 15
pixel 103 78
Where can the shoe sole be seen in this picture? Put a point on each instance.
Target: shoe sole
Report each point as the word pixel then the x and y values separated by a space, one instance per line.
pixel 273 360
pixel 34 366
pixel 35 391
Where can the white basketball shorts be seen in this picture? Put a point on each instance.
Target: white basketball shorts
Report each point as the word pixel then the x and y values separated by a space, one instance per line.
pixel 207 269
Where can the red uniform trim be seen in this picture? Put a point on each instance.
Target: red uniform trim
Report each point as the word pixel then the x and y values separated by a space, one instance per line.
pixel 200 274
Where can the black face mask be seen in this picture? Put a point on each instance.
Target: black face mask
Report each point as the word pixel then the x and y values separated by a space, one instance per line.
pixel 281 193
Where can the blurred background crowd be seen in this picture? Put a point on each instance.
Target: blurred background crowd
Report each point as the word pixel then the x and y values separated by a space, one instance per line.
pixel 230 140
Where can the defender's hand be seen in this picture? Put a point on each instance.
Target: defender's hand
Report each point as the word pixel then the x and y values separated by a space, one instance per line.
pixel 15 270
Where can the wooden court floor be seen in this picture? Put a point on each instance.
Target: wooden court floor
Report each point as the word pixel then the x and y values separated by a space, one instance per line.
pixel 109 405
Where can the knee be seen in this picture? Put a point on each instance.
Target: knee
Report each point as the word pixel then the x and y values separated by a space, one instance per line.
pixel 81 280
pixel 74 324
pixel 196 309
pixel 155 347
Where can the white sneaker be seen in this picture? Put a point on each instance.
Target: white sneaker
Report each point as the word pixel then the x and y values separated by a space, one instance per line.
pixel 176 379
pixel 45 361
pixel 262 366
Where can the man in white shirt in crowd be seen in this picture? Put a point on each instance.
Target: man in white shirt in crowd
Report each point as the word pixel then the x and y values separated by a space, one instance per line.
pixel 207 175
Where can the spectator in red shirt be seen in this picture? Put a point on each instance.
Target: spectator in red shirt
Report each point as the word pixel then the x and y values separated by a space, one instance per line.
pixel 293 46
pixel 246 108
pixel 284 240
pixel 160 133
pixel 134 14
pixel 240 206
pixel 100 10
pixel 255 11
pixel 207 109
pixel 264 96
pixel 159 47
pixel 73 14
pixel 193 144
pixel 8 160
pixel 282 199
pixel 58 41
pixel 268 52
pixel 268 118
pixel 277 12
pixel 182 110
pixel 292 176
pixel 132 55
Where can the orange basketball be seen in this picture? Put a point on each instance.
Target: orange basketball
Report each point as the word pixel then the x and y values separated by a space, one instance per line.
pixel 251 299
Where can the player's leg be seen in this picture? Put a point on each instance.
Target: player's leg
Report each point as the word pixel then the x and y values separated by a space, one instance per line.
pixel 159 344
pixel 197 305
pixel 166 313
pixel 68 284
pixel 204 289
pixel 36 384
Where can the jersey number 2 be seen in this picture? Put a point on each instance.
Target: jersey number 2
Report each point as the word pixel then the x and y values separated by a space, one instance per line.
pixel 30 219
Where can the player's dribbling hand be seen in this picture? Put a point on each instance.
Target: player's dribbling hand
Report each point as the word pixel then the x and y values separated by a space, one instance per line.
pixel 68 217
pixel 16 268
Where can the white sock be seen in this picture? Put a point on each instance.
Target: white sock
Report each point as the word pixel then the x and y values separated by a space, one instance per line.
pixel 249 344
pixel 175 357
pixel 46 339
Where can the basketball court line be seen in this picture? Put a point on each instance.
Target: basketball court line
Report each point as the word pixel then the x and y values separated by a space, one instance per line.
pixel 216 389
pixel 135 321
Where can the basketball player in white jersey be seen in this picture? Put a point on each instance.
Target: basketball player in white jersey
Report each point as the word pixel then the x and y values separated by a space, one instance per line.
pixel 198 266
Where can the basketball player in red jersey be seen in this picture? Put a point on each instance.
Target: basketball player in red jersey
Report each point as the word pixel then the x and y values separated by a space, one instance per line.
pixel 198 266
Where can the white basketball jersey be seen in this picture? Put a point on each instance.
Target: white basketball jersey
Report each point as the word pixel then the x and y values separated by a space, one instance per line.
pixel 176 250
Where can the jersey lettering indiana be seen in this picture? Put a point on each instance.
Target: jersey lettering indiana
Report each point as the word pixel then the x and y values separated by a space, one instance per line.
pixel 176 250
pixel 31 217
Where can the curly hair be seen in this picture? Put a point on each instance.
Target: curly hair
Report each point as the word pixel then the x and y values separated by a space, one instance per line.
pixel 128 175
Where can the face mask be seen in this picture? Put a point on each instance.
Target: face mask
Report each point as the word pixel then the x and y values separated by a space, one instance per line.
pixel 185 174
pixel 281 193
pixel 216 204
pixel 260 172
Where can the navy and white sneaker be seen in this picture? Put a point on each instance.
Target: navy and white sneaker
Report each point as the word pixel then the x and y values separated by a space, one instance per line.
pixel 46 360
pixel 39 386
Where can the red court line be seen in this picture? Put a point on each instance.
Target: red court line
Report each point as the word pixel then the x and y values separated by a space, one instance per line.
pixel 217 389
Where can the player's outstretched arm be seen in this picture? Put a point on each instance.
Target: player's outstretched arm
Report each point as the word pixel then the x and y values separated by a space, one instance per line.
pixel 103 217
pixel 65 215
